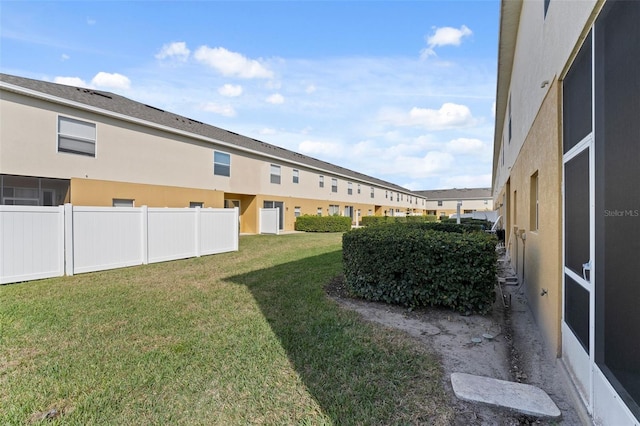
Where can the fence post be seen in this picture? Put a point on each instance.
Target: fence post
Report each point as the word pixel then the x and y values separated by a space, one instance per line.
pixel 197 230
pixel 236 235
pixel 61 228
pixel 144 212
pixel 68 238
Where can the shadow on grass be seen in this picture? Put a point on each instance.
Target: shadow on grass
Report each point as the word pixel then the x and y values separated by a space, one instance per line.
pixel 358 374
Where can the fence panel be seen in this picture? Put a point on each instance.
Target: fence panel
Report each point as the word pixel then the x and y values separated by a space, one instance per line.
pixel 31 243
pixel 269 221
pixel 171 234
pixel 106 238
pixel 35 242
pixel 218 230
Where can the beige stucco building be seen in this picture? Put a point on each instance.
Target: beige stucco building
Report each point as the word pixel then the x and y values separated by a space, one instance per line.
pixel 444 202
pixel 63 144
pixel 566 180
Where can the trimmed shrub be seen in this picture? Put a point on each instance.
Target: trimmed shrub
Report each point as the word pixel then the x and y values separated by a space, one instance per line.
pixel 410 266
pixel 384 220
pixel 310 223
pixel 484 224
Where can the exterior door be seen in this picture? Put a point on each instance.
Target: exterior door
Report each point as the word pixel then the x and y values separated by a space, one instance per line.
pixel 578 263
pixel 578 229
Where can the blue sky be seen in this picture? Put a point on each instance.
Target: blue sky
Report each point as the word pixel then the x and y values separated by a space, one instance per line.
pixel 400 90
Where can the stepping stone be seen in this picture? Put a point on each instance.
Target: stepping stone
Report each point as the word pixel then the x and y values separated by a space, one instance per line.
pixel 520 397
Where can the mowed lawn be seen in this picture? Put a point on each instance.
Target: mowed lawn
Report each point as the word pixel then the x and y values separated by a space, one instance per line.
pixel 238 338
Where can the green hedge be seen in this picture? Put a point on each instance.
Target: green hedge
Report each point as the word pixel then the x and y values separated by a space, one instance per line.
pixel 383 220
pixel 409 266
pixel 425 224
pixel 484 224
pixel 310 223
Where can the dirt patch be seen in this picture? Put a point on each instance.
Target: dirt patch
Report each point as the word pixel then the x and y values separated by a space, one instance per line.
pixel 503 344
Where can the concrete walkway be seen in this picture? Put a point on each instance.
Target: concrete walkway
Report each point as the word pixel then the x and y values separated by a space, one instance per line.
pixel 520 397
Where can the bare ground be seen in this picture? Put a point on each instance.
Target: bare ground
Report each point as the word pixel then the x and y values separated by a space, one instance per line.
pixel 504 344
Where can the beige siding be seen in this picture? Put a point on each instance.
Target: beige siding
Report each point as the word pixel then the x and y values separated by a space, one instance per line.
pixel 160 167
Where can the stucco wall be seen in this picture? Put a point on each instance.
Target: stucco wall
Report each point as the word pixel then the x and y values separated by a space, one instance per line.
pixel 537 259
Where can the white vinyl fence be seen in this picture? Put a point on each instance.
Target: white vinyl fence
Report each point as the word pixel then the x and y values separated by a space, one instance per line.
pixel 42 242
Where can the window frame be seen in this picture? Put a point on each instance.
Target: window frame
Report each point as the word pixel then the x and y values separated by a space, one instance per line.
pixel 220 166
pixel 77 138
pixel 334 185
pixel 296 176
pixel 275 178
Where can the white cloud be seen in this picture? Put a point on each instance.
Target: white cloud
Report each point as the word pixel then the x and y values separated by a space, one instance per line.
pixel 320 149
pixel 231 63
pixel 224 110
pixel 310 88
pixel 267 131
pixel 177 50
pixel 466 146
pixel 91 21
pixel 431 164
pixel 71 81
pixel 444 36
pixel 467 181
pixel 64 57
pixel 230 90
pixel 276 99
pixel 493 109
pixel 111 80
pixel 449 116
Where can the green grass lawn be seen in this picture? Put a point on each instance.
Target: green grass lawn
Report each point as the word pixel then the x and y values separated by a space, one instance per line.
pixel 238 338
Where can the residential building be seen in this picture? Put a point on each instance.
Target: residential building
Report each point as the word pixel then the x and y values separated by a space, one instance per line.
pixel 444 202
pixel 566 180
pixel 61 144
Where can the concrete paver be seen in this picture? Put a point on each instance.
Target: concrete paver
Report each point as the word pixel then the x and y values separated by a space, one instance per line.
pixel 526 399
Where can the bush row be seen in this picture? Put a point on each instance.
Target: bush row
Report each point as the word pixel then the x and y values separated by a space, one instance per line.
pixel 484 224
pixel 410 266
pixel 384 220
pixel 310 223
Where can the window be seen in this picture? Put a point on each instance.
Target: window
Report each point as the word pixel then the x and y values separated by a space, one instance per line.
pixel 319 211
pixel 392 196
pixel 358 188
pixel 386 194
pixel 372 192
pixel 194 204
pixel 334 210
pixel 349 188
pixel 296 211
pixel 221 163
pixel 122 202
pixel 296 176
pixel 334 185
pixel 321 181
pixel 76 137
pixel 275 174
pixel 534 202
pixel 370 212
pixel 440 203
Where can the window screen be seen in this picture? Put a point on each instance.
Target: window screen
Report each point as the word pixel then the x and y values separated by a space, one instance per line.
pixel 76 137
